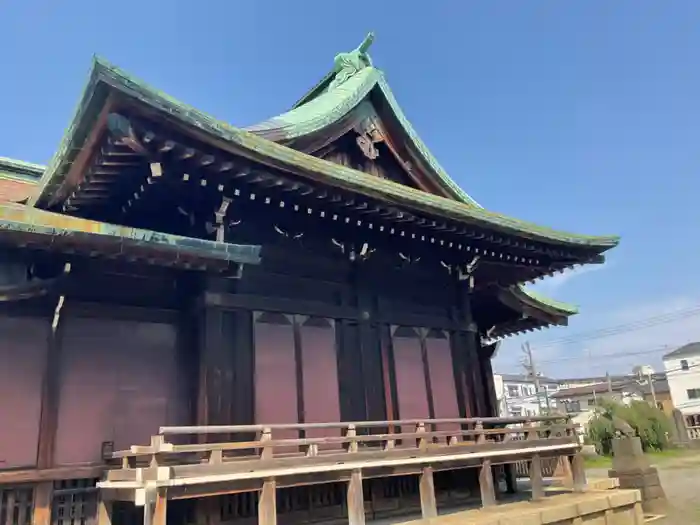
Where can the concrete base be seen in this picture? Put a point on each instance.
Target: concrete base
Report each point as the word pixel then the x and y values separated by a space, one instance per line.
pixel 632 469
pixel 611 507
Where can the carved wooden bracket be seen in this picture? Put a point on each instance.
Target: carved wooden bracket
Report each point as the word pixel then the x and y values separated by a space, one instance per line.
pixel 369 134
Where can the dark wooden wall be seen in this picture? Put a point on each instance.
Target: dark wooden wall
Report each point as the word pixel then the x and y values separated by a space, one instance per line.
pixel 302 337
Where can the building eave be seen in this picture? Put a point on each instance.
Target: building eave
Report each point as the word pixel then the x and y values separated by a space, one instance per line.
pixel 106 78
pixel 29 227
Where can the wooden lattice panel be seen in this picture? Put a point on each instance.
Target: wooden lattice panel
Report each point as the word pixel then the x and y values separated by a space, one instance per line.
pixel 74 502
pixel 16 505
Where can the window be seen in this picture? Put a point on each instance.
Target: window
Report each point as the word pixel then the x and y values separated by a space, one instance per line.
pixel 693 393
pixel 513 391
pixel 684 364
pixel 592 402
pixel 573 406
pixel 660 405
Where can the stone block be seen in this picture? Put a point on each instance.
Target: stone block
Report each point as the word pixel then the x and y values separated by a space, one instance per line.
pixel 563 512
pixel 532 518
pixel 620 498
pixel 593 505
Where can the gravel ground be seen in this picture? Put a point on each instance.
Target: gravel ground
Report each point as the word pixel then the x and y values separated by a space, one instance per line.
pixel 680 479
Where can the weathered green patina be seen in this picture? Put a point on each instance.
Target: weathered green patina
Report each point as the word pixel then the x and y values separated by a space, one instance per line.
pixel 239 141
pixel 19 170
pixel 346 87
pixel 43 228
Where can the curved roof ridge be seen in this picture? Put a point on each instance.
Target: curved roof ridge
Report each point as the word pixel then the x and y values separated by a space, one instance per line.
pixel 321 111
pixel 422 149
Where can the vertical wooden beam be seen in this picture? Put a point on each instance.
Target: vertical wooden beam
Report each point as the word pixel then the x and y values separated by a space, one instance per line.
pixel 356 500
pixel 563 471
pixel 488 492
pixel 43 498
pixel 160 507
pixel 50 394
pixel 299 372
pixel 426 373
pixel 428 504
pixel 578 470
pixel 104 512
pixel 370 350
pixel 536 481
pixel 267 504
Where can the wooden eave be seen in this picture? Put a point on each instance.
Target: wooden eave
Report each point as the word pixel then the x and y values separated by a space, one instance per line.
pixel 119 173
pixel 26 227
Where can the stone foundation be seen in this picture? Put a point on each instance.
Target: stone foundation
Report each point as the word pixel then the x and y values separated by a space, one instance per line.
pixel 632 469
pixel 611 507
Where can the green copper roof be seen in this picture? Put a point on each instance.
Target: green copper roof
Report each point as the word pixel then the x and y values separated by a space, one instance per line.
pixel 247 144
pixel 17 169
pixel 47 228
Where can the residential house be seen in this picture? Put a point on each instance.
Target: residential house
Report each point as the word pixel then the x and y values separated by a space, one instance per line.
pixel 659 395
pixel 517 396
pixel 581 401
pixel 683 373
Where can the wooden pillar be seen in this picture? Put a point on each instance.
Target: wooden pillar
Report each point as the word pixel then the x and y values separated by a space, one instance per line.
pixel 50 394
pixel 536 481
pixel 356 500
pixel 104 512
pixel 428 505
pixel 578 470
pixel 488 492
pixel 43 498
pixel 563 471
pixel 160 508
pixel 267 504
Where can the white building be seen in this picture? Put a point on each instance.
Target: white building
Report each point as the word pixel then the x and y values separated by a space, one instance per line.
pixel 581 401
pixel 683 375
pixel 517 397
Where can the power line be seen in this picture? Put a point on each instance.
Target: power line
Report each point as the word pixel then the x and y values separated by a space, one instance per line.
pixel 611 355
pixel 624 328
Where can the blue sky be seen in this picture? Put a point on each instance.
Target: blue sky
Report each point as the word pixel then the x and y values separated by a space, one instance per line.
pixel 583 116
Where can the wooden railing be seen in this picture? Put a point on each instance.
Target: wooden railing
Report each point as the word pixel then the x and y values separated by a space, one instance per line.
pixel 267 457
pixel 693 432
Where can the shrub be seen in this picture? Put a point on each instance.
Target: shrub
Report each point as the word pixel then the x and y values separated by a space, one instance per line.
pixel 649 423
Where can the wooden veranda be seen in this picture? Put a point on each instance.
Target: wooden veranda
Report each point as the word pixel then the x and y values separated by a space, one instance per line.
pixel 219 460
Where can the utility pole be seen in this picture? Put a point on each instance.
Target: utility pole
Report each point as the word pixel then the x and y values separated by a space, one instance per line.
pixel 651 387
pixel 530 368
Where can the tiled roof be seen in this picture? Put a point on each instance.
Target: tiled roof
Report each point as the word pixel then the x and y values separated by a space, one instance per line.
pixel 691 349
pixel 18 180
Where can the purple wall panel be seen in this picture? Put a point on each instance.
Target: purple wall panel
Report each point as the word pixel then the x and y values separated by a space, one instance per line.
pixel 442 381
pixel 410 378
pixel 275 376
pixel 23 347
pixel 118 383
pixel 320 366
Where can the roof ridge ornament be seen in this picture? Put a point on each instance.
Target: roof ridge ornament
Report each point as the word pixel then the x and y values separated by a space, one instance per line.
pixel 349 64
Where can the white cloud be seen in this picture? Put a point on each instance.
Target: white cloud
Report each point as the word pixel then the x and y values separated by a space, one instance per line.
pixel 550 284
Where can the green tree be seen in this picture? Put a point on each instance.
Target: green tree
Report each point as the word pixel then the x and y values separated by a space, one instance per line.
pixel 649 423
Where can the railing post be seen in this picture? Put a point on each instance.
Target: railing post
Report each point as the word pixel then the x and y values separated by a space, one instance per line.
pixel 488 493
pixel 480 437
pixel 350 434
pixel 536 482
pixel 428 504
pixel 421 443
pixel 356 499
pixel 43 498
pixel 266 452
pixel 267 504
